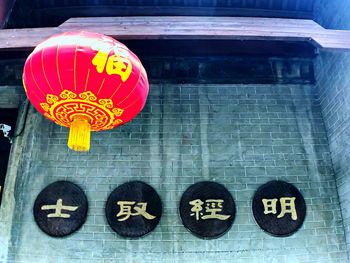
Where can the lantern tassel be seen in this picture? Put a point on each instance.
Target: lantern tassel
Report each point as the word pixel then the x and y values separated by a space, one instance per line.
pixel 79 134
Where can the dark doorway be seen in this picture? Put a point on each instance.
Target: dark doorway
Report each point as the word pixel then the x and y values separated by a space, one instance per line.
pixel 7 117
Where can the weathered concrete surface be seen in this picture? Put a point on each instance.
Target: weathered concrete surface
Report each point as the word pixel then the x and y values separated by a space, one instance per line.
pixel 18 165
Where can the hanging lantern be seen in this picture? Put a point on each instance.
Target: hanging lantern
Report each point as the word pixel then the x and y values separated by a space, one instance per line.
pixel 86 82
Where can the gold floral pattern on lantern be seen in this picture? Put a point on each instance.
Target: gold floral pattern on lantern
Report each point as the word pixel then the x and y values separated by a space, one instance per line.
pixel 67 94
pixel 101 113
pixel 108 103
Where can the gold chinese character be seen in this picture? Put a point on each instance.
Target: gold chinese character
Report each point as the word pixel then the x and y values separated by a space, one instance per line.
pixel 58 207
pixel 101 56
pixel 270 206
pixel 212 209
pixel 197 207
pixel 118 63
pixel 287 206
pixel 213 206
pixel 127 206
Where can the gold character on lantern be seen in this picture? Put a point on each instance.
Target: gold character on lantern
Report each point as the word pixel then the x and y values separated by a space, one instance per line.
pixel 213 207
pixel 287 207
pixel 126 208
pixel 118 63
pixel 58 207
pixel 100 60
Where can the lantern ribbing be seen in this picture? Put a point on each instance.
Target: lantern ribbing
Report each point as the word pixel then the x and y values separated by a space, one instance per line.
pixel 86 82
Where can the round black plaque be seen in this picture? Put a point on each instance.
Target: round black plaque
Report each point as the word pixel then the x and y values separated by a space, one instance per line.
pixel 207 209
pixel 279 208
pixel 133 209
pixel 60 209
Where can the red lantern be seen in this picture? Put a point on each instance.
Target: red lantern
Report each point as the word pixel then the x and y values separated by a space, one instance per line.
pixel 85 81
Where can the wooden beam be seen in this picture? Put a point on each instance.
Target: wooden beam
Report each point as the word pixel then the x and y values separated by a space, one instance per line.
pixel 184 28
pixel 129 10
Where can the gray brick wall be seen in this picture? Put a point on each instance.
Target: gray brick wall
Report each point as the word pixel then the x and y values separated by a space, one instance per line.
pixel 333 84
pixel 11 96
pixel 239 135
pixel 332 71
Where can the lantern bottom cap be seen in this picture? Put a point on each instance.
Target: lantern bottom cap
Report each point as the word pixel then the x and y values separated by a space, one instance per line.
pixel 79 134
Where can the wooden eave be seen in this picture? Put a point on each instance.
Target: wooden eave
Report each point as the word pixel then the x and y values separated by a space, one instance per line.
pixel 185 28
